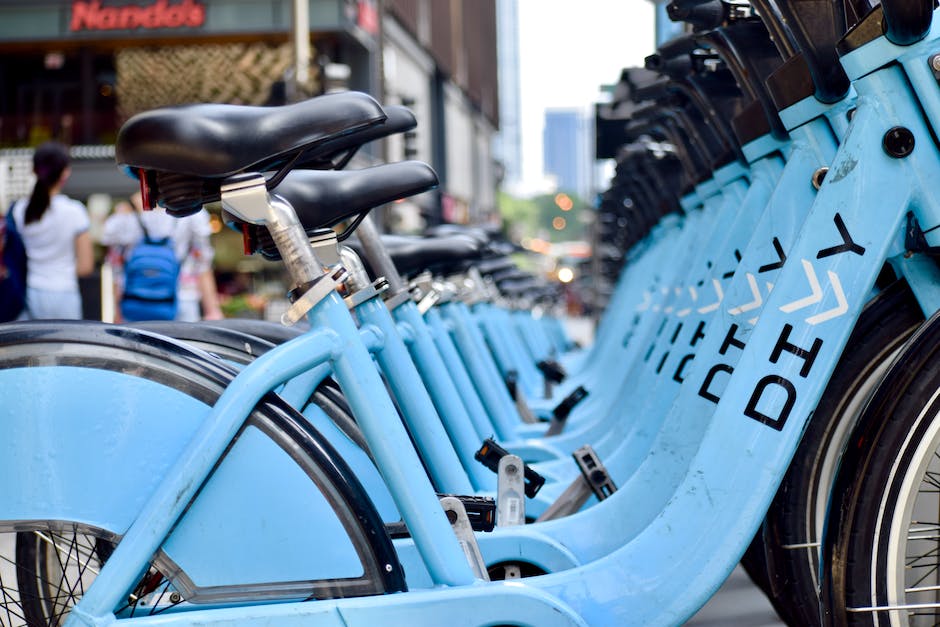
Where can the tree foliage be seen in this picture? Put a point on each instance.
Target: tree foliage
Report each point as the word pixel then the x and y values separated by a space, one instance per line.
pixel 540 216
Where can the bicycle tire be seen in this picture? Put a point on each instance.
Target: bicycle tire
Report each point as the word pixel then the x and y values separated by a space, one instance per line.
pixel 240 346
pixel 273 332
pixel 875 493
pixel 793 526
pixel 231 345
pixel 198 375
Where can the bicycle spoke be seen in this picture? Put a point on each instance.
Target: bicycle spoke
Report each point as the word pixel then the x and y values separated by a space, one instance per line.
pixel 913 560
pixel 933 479
pixel 49 539
pixel 9 604
pixel 43 574
pixel 58 607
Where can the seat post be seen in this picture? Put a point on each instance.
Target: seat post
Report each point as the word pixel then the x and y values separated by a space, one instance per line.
pixel 375 252
pixel 246 196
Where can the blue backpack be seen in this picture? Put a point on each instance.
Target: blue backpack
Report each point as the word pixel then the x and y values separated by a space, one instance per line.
pixel 151 271
pixel 12 270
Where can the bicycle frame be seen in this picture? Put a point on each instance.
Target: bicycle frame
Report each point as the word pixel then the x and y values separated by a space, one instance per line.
pixel 771 394
pixel 352 365
pixel 774 393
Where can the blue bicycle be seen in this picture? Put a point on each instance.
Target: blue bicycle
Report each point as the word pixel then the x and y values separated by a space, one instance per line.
pixel 146 480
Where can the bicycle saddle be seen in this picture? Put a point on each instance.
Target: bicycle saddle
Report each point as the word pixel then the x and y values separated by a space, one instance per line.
pixel 336 153
pixel 477 233
pixel 325 198
pixel 509 274
pixel 413 254
pixel 494 240
pixel 184 152
pixel 494 265
pixel 519 286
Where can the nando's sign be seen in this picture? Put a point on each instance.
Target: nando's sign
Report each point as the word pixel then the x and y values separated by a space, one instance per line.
pixel 95 16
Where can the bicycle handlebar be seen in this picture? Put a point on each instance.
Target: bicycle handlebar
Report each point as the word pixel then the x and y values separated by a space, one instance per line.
pixel 683 44
pixel 907 21
pixel 701 15
pixel 673 67
pixel 751 58
pixel 816 27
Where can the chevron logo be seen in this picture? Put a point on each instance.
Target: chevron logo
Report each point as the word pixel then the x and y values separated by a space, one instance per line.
pixel 682 313
pixel 757 299
pixel 781 258
pixel 816 294
pixel 719 293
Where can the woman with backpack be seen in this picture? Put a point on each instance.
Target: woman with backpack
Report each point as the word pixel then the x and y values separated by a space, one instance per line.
pixel 162 264
pixel 54 229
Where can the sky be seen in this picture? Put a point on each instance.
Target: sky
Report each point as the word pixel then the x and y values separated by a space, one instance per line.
pixel 567 50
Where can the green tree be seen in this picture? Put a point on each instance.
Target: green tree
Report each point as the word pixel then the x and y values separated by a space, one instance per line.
pixel 554 217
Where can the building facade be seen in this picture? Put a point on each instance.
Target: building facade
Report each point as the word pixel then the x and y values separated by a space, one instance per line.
pixel 509 139
pixel 74 70
pixel 441 61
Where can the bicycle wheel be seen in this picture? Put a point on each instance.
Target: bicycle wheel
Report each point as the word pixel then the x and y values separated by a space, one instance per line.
pixel 54 566
pixel 881 546
pixel 57 551
pixel 794 522
pixel 238 346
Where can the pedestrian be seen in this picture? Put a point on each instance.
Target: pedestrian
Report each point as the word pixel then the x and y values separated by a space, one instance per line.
pixel 197 295
pixel 54 229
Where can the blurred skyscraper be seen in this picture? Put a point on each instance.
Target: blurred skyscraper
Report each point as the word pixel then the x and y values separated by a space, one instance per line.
pixel 508 143
pixel 568 150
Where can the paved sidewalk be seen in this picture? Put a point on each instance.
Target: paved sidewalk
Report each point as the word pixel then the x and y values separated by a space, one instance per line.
pixel 738 603
pixel 581 330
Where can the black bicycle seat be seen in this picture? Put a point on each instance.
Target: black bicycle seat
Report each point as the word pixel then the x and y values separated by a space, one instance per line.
pixel 489 235
pixel 183 153
pixel 510 274
pixel 494 265
pixel 336 153
pixel 413 254
pixel 218 140
pixel 519 286
pixel 325 198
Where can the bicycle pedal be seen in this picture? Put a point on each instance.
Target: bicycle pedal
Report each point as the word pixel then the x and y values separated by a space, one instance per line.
pixel 594 479
pixel 523 408
pixel 594 472
pixel 552 370
pixel 512 382
pixel 460 523
pixel 481 510
pixel 397 530
pixel 490 454
pixel 510 485
pixel 563 410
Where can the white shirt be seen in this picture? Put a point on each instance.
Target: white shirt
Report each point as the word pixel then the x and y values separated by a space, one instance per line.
pixel 50 242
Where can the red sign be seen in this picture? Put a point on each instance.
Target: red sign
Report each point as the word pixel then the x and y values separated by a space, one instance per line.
pixel 161 14
pixel 368 17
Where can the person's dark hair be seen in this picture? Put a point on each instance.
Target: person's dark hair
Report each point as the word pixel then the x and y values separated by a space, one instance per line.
pixel 49 161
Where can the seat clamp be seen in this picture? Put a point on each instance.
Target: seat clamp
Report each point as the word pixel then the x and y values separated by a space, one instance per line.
pixel 393 301
pixel 313 293
pixel 377 288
